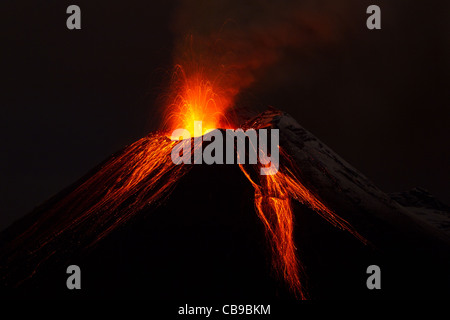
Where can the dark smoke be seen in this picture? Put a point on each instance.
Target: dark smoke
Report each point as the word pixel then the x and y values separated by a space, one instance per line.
pixel 233 43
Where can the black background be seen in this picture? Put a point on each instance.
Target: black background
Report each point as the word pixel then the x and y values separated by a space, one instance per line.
pixel 69 99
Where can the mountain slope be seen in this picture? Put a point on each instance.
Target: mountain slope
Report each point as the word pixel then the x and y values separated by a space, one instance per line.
pixel 131 227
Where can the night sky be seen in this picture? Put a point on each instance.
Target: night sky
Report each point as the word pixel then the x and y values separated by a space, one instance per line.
pixel 69 99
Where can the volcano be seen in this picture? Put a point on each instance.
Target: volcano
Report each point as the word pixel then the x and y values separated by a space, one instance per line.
pixel 139 226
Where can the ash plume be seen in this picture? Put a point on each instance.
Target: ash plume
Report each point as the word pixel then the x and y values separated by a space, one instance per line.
pixel 233 43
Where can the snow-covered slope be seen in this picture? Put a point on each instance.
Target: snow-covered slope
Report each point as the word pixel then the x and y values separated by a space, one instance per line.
pixel 426 207
pixel 378 217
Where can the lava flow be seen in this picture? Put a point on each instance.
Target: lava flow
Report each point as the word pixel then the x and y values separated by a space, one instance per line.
pixel 144 174
pixel 273 204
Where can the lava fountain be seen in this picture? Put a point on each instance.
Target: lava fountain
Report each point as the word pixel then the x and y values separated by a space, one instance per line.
pixel 194 98
pixel 144 174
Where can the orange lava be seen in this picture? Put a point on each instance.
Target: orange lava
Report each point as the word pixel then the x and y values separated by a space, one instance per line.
pixel 141 175
pixel 273 204
pixel 193 99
